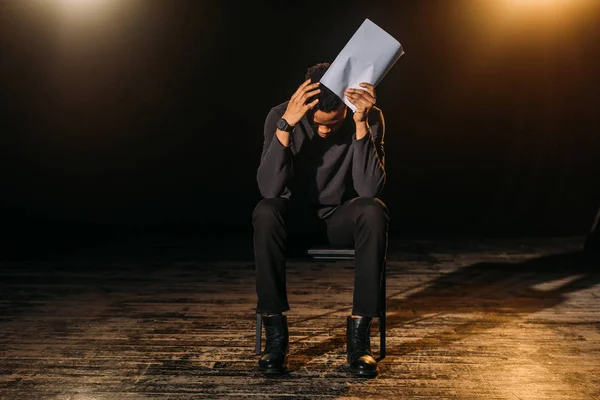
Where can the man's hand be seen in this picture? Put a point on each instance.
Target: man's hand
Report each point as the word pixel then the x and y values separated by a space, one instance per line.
pixel 364 100
pixel 297 107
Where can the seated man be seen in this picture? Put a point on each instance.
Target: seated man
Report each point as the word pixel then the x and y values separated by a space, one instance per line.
pixel 321 170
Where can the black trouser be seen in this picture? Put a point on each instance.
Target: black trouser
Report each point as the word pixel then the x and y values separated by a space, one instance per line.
pixel 361 222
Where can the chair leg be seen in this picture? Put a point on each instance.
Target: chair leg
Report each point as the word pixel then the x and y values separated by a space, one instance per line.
pixel 382 323
pixel 382 319
pixel 258 332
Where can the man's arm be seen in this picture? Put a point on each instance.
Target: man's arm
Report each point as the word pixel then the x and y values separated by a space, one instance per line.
pixel 368 162
pixel 276 159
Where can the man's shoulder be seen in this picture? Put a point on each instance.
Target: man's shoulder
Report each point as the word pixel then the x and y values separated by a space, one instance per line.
pixel 279 109
pixel 274 114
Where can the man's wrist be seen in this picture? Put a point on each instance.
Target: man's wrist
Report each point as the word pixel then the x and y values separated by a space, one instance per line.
pixel 283 137
pixel 285 126
pixel 362 128
pixel 290 120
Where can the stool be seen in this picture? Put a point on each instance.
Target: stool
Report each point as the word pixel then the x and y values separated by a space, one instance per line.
pixel 332 253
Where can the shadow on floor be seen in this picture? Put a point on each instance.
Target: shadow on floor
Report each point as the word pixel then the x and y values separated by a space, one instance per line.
pixel 500 291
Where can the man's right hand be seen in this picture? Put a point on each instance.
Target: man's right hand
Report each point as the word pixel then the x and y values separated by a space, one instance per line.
pixel 297 107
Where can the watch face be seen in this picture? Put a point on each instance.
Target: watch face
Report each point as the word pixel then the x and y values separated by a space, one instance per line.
pixel 282 124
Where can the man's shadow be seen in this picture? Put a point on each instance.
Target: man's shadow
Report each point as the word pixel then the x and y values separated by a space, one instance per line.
pixel 499 291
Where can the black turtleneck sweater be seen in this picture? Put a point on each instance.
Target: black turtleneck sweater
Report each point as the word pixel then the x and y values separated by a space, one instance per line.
pixel 322 172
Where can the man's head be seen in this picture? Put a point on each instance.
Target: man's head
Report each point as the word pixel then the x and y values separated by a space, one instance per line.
pixel 330 112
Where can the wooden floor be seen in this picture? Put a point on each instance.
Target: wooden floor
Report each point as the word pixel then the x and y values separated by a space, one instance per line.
pixel 494 319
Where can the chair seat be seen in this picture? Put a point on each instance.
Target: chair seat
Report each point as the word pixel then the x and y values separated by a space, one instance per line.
pixel 330 253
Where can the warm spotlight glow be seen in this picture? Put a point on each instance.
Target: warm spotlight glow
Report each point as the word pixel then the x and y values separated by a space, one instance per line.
pixel 78 13
pixel 540 5
pixel 532 18
pixel 80 3
pixel 79 28
pixel 85 9
pixel 533 8
pixel 533 3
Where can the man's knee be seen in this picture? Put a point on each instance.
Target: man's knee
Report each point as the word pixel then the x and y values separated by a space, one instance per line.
pixel 268 211
pixel 371 209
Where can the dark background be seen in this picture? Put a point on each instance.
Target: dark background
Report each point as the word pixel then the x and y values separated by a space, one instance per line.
pixel 148 117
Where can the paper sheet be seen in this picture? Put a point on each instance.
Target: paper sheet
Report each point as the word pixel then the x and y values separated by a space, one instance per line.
pixel 367 57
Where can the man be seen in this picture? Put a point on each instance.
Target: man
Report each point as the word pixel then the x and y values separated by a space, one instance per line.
pixel 321 170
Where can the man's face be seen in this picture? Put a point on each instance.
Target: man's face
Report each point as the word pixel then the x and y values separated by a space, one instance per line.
pixel 326 123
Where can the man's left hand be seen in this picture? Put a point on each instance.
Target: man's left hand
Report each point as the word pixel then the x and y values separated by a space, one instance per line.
pixel 363 99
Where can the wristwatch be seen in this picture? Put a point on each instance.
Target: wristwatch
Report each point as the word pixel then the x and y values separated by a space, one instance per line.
pixel 283 125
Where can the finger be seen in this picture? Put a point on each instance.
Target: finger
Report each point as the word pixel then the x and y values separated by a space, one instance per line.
pixel 310 94
pixel 363 97
pixel 364 103
pixel 303 90
pixel 351 100
pixel 363 93
pixel 358 92
pixel 312 86
pixel 370 88
pixel 300 88
pixel 361 106
pixel 311 105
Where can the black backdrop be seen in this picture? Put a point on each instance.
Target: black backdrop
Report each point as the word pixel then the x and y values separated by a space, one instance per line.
pixel 152 117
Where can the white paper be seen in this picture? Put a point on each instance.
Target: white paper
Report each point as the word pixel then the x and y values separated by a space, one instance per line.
pixel 367 57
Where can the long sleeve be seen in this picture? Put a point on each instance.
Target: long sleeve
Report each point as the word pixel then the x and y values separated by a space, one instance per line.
pixel 275 162
pixel 368 162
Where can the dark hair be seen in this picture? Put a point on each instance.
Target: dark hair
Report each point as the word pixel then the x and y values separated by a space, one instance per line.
pixel 328 101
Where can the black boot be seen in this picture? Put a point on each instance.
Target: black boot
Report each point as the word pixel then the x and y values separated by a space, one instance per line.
pixel 358 348
pixel 274 358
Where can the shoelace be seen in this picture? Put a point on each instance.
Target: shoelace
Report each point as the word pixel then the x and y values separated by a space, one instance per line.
pixel 275 339
pixel 360 342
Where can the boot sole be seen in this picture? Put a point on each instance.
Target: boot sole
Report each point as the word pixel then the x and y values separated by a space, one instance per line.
pixel 364 374
pixel 273 371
